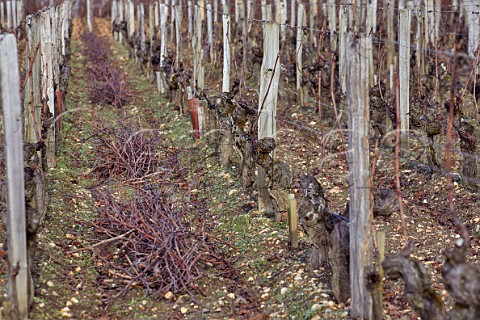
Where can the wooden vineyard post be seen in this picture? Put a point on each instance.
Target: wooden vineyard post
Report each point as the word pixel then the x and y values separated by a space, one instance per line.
pixel 190 18
pixel 350 13
pixel 2 14
pixel 161 81
pixel 342 37
pixel 141 28
pixel 267 103
pixel 239 15
pixel 178 33
pixel 135 47
pixel 292 221
pixel 263 9
pixel 48 94
pixel 419 39
pixel 114 18
pixel 381 257
pixel 361 216
pixel 67 11
pixel 210 32
pixel 89 16
pixel 293 7
pixel 371 24
pixel 473 21
pixel 215 13
pixel 20 11
pixel 33 106
pixel 390 37
pixel 429 22
pixel 9 15
pixel 14 13
pixel 56 66
pixel 332 24
pixel 17 305
pixel 226 53
pixel 172 19
pixel 197 46
pixel 438 19
pixel 283 19
pixel 313 12
pixel 404 74
pixel 121 12
pixel 150 39
pixel 156 15
pixel 299 51
pixel 131 19
pixel 250 14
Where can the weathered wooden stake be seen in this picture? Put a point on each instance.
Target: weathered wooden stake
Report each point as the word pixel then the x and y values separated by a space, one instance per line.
pixel 313 12
pixel 48 93
pixel 121 12
pixel 332 24
pixel 14 13
pixel 429 22
pixel 2 14
pixel 197 45
pixel 292 221
pixel 131 19
pixel 370 28
pixel 161 83
pixel 419 39
pixel 283 19
pixel 156 15
pixel 210 32
pixel 473 21
pixel 299 50
pixel 190 18
pixel 226 54
pixel 293 17
pixel 114 17
pixel 361 216
pixel 172 19
pixel 178 34
pixel 215 13
pixel 150 39
pixel 390 35
pixel 9 15
pixel 267 103
pixel 342 37
pixel 89 16
pixel 16 222
pixel 141 27
pixel 404 74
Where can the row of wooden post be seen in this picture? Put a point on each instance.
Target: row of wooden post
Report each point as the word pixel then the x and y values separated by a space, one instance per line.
pixel 12 13
pixel 426 18
pixel 13 135
pixel 48 33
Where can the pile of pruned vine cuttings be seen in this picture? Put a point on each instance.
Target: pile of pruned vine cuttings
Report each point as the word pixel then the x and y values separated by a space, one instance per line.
pixel 132 153
pixel 107 84
pixel 151 232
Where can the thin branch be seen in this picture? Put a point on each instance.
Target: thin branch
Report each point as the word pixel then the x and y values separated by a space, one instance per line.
pixel 102 242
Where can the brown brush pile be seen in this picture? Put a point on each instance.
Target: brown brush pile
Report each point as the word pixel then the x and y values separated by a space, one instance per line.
pixel 130 153
pixel 106 82
pixel 151 229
